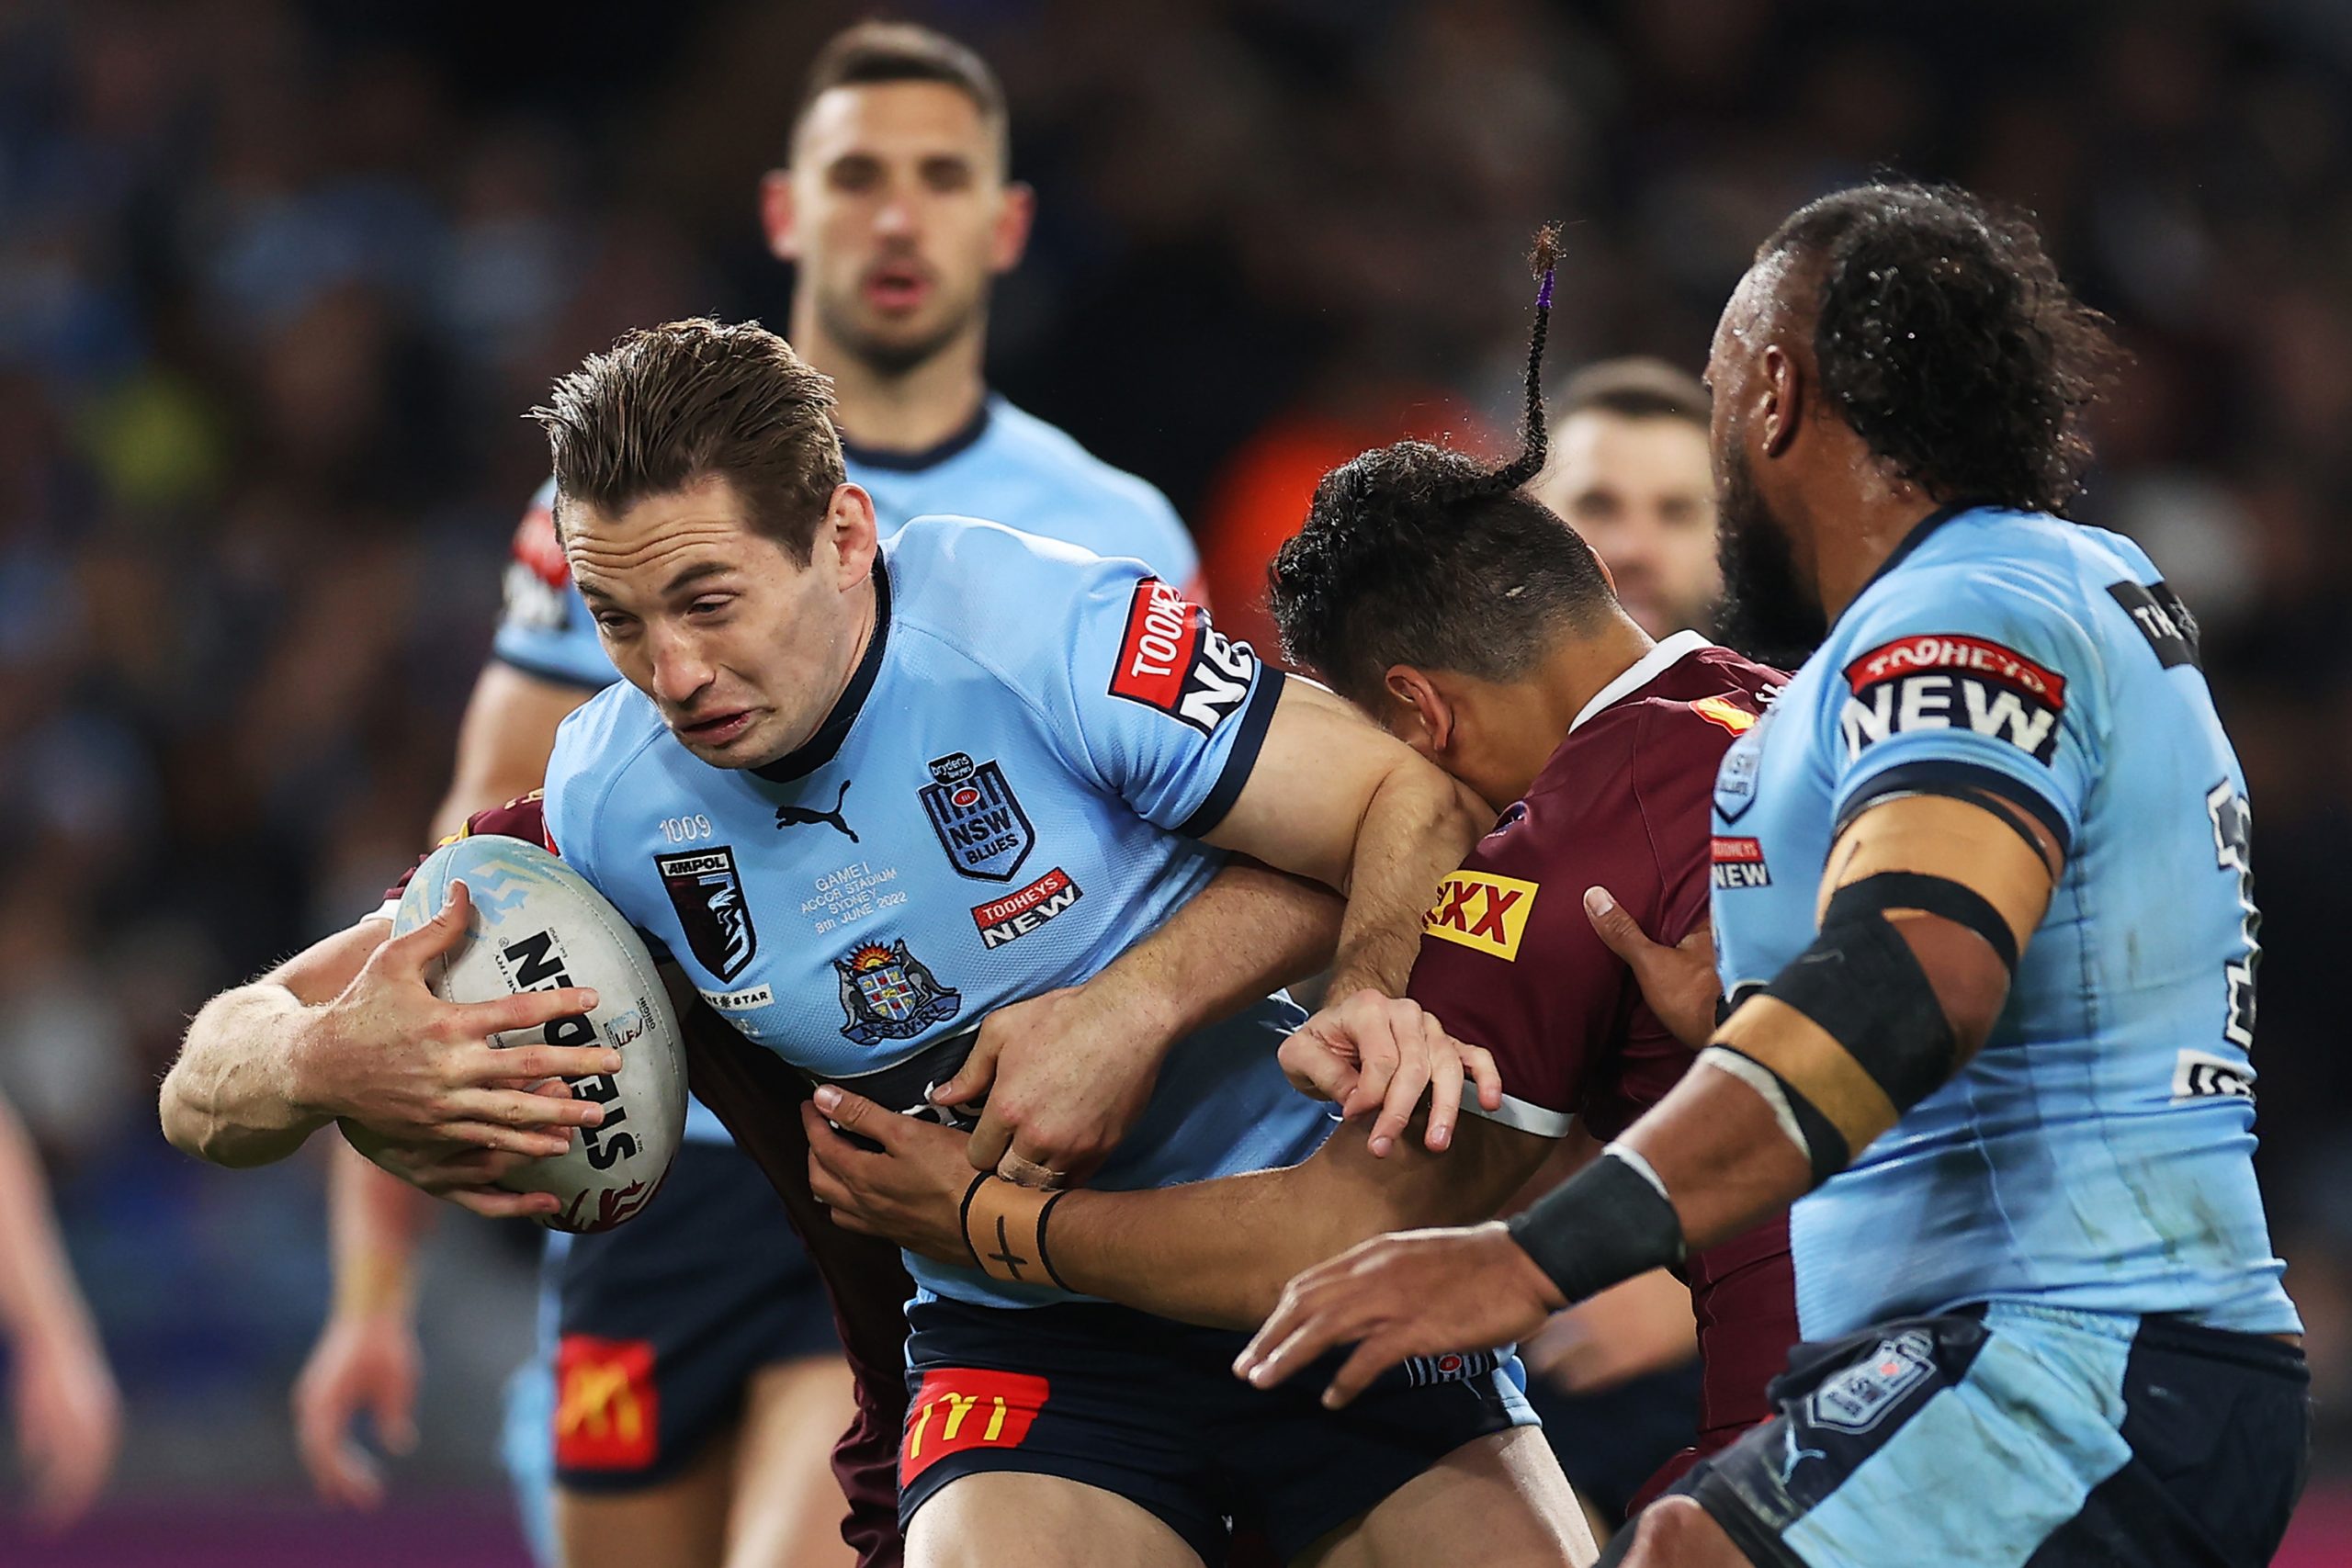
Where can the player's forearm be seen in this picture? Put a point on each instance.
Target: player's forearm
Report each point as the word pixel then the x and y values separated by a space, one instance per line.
pixel 1219 1252
pixel 375 1222
pixel 234 1097
pixel 1418 826
pixel 1251 930
pixel 38 1297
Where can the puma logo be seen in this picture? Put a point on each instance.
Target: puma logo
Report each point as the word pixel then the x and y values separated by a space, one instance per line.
pixel 799 816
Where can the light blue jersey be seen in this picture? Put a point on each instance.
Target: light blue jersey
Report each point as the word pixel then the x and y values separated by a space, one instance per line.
pixel 2097 1155
pixel 1006 798
pixel 1005 463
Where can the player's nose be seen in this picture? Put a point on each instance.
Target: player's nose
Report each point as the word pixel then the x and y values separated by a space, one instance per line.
pixel 680 668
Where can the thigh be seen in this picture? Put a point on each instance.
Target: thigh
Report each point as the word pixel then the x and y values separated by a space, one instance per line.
pixel 988 1518
pixel 1967 1437
pixel 679 1522
pixel 1504 1493
pixel 664 1321
pixel 786 1509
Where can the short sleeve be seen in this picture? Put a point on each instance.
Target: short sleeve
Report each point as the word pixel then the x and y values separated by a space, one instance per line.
pixel 1160 706
pixel 1509 962
pixel 545 628
pixel 1967 678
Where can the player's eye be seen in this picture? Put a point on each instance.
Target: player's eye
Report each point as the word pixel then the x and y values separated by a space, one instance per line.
pixel 612 622
pixel 710 606
pixel 946 174
pixel 856 174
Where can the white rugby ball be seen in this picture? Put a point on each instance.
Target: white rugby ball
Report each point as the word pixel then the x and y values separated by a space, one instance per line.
pixel 537 924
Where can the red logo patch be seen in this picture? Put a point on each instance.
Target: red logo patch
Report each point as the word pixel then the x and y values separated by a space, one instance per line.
pixel 1172 660
pixel 1017 914
pixel 1739 863
pixel 535 547
pixel 1989 660
pixel 964 1407
pixel 608 1413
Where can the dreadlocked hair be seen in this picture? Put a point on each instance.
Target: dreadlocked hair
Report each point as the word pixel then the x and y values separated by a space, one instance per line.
pixel 1422 554
pixel 1534 439
pixel 1946 338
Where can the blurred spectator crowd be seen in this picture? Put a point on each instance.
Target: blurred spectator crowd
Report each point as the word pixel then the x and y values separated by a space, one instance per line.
pixel 278 278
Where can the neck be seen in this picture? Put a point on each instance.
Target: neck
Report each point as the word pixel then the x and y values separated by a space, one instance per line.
pixel 898 411
pixel 1855 534
pixel 1571 675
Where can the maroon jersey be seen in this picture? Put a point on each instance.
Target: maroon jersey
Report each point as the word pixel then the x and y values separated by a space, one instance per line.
pixel 1510 962
pixel 758 1098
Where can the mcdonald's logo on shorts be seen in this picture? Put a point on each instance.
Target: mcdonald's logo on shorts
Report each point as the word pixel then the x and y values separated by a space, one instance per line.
pixel 607 1412
pixel 964 1407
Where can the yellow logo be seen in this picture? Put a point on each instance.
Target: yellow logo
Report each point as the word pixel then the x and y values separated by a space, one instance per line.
pixel 1482 911
pixel 1725 714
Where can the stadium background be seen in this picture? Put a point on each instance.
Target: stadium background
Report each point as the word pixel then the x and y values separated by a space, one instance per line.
pixel 276 278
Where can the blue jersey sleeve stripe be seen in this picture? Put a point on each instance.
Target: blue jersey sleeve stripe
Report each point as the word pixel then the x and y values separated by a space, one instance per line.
pixel 1942 776
pixel 1248 741
pixel 555 674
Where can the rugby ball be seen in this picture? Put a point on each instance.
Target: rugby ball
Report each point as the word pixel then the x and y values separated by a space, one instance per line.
pixel 537 924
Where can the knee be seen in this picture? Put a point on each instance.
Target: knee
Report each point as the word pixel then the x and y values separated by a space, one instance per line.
pixel 1675 1533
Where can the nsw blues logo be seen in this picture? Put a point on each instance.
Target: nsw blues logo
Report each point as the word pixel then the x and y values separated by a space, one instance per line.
pixel 888 994
pixel 1736 778
pixel 708 892
pixel 980 824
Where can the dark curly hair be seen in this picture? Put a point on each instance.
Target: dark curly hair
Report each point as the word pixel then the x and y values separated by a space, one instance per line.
pixel 1417 554
pixel 1946 338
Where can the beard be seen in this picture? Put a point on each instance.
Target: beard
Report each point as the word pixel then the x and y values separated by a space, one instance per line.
pixel 1768 611
pixel 891 356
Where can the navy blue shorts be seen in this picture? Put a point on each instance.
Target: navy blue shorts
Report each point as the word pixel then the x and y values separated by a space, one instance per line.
pixel 663 1321
pixel 1150 1409
pixel 2015 1435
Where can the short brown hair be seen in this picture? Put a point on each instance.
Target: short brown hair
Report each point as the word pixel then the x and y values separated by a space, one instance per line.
pixel 872 53
pixel 669 406
pixel 1638 388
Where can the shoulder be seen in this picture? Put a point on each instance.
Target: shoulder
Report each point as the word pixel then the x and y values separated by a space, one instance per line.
pixel 1988 584
pixel 1000 594
pixel 595 746
pixel 1087 499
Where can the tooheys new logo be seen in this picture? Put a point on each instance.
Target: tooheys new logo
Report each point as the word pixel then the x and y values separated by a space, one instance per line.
pixel 1945 681
pixel 1172 660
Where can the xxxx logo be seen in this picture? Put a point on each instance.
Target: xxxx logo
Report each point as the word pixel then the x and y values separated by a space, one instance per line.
pixel 1480 911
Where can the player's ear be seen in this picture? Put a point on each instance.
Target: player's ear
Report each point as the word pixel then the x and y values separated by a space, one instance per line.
pixel 1781 381
pixel 1420 713
pixel 779 217
pixel 849 524
pixel 1016 212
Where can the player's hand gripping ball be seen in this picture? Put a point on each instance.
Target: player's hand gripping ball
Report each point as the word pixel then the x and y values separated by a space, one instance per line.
pixel 537 924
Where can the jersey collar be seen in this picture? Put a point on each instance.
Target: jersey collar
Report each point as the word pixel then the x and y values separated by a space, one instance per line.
pixel 1918 536
pixel 822 747
pixel 1665 656
pixel 930 457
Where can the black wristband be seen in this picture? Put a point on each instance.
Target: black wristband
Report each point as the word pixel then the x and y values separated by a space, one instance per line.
pixel 1604 1225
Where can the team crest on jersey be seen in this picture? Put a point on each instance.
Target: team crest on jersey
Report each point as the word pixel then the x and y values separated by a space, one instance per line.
pixel 708 892
pixel 1735 776
pixel 979 820
pixel 1858 1398
pixel 888 994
